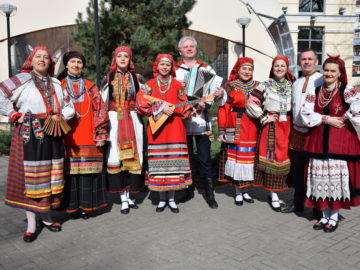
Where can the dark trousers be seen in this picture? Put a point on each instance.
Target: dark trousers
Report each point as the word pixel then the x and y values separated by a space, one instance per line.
pixel 298 163
pixel 203 146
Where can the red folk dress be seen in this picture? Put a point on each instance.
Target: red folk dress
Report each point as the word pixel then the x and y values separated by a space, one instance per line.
pixel 168 158
pixel 333 173
pixel 273 162
pixel 241 133
pixel 84 185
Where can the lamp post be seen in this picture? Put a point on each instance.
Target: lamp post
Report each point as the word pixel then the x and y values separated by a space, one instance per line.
pixel 8 10
pixel 97 46
pixel 243 22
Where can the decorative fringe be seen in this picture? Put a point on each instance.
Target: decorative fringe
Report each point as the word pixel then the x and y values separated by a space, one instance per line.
pixel 271 168
pixel 56 126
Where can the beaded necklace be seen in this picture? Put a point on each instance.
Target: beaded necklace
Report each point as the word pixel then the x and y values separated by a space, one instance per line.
pixel 245 87
pixel 70 80
pixel 326 96
pixel 46 89
pixel 163 82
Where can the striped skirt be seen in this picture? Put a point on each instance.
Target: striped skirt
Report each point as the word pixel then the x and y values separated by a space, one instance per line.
pixel 168 167
pixel 35 174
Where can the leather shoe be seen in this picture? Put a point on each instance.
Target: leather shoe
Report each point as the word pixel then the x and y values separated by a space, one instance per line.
pixel 276 209
pixel 134 206
pixel 251 200
pixel 29 237
pixel 160 209
pixel 85 215
pixel 288 208
pixel 174 210
pixel 53 227
pixel 125 211
pixel 238 203
pixel 319 226
pixel 212 203
pixel 331 228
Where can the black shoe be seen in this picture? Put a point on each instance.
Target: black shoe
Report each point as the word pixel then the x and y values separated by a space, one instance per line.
pixel 212 203
pixel 76 215
pixel 287 208
pixel 85 215
pixel 276 209
pixel 319 225
pixel 331 228
pixel 174 209
pixel 29 237
pixel 238 203
pixel 125 211
pixel 251 200
pixel 160 209
pixel 53 227
pixel 133 206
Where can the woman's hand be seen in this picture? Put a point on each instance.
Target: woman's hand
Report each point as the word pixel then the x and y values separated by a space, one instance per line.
pixel 100 144
pixel 272 118
pixel 169 109
pixel 222 138
pixel 337 122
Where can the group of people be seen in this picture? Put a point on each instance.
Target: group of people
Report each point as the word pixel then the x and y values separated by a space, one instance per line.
pixel 67 133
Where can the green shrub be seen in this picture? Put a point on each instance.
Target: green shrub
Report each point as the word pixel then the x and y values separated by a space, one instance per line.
pixel 5 139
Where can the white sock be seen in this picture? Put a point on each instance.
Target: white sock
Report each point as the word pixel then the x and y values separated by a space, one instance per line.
pixel 247 196
pixel 334 216
pixel 124 201
pixel 171 199
pixel 31 221
pixel 161 204
pixel 275 199
pixel 239 197
pixel 172 203
pixel 130 201
pixel 46 218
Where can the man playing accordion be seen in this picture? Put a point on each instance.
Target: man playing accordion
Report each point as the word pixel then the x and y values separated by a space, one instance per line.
pixel 199 79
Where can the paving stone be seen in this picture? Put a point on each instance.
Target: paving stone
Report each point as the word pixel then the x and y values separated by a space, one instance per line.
pixel 248 237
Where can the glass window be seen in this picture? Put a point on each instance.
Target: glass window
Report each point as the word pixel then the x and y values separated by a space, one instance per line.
pixel 311 37
pixel 311 5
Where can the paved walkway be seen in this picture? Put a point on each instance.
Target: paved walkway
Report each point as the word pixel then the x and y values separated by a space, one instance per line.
pixel 231 237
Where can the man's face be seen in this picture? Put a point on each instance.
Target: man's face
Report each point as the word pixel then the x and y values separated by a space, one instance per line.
pixel 308 62
pixel 188 50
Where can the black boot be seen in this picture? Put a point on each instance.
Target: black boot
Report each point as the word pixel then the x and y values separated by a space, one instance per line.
pixel 209 193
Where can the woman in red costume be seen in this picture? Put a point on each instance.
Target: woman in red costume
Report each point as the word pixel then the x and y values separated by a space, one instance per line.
pixel 333 174
pixel 124 156
pixel 84 183
pixel 270 102
pixel 238 130
pixel 168 157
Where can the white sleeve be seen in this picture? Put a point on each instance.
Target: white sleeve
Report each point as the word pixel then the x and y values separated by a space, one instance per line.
pixel 352 97
pixel 309 117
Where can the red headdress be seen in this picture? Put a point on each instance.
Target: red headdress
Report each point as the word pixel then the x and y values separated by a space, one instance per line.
pixel 27 66
pixel 289 76
pixel 157 61
pixel 113 65
pixel 234 74
pixel 341 63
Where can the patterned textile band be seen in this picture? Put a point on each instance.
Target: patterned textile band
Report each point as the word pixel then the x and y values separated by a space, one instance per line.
pixel 168 182
pixel 83 159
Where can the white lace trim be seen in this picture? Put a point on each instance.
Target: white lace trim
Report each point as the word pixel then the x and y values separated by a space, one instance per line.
pixel 239 172
pixel 328 179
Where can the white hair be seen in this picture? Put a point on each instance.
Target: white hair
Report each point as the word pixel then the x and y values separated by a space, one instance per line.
pixel 185 38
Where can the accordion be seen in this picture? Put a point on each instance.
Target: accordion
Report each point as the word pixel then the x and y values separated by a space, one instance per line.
pixel 200 82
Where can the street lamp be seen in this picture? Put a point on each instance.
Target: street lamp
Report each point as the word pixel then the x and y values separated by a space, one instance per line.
pixel 243 22
pixel 8 10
